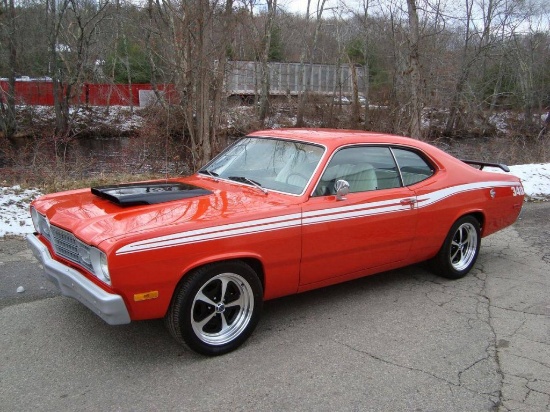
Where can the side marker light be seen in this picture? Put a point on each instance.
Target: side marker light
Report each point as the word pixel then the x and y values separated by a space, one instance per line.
pixel 138 297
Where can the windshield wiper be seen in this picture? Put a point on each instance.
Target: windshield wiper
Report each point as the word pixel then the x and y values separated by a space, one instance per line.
pixel 244 179
pixel 208 172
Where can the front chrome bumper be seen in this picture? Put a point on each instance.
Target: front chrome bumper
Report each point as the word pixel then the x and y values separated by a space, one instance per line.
pixel 71 283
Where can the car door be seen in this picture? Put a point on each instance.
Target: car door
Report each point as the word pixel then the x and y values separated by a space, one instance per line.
pixel 374 225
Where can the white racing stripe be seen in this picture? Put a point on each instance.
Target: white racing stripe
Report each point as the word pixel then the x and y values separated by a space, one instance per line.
pixel 366 211
pixel 434 197
pixel 216 232
pixel 308 218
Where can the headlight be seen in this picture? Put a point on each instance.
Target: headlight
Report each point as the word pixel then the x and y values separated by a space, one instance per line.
pixel 44 227
pixel 99 264
pixel 84 255
pixel 41 224
pixel 35 219
pixel 104 267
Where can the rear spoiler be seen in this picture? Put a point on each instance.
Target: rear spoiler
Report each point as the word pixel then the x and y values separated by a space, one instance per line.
pixel 483 164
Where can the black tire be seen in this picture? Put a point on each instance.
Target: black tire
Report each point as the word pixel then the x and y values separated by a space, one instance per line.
pixel 216 307
pixel 459 252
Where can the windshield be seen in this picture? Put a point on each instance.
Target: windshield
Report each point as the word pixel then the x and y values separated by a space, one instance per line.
pixel 281 165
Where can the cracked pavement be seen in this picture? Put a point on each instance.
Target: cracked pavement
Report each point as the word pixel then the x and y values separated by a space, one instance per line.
pixel 520 310
pixel 402 341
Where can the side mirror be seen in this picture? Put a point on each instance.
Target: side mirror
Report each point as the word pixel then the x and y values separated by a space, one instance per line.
pixel 342 189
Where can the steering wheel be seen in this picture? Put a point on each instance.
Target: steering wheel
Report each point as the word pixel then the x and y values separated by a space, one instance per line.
pixel 294 174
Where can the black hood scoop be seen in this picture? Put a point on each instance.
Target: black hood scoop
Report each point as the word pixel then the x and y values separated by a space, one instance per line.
pixel 148 193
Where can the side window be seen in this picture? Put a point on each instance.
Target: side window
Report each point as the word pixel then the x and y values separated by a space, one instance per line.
pixel 413 167
pixel 365 168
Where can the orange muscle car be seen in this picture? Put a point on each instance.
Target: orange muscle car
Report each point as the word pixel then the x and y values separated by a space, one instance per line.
pixel 278 212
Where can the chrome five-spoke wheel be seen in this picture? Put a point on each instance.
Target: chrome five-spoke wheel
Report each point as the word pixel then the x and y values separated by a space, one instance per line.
pixel 216 307
pixel 222 309
pixel 459 252
pixel 464 246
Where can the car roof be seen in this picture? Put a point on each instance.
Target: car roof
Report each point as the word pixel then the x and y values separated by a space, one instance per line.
pixel 337 137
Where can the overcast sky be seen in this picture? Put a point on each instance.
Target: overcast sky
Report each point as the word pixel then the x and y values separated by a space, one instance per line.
pixel 538 21
pixel 300 6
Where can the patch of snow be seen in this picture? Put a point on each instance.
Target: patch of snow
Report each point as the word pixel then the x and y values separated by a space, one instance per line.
pixel 500 121
pixel 535 179
pixel 15 218
pixel 94 116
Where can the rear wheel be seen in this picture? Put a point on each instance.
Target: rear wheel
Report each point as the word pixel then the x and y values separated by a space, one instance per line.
pixel 459 252
pixel 216 308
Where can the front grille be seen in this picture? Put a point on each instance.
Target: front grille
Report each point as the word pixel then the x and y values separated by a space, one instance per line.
pixel 67 246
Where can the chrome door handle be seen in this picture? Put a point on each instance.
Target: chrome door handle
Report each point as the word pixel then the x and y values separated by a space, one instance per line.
pixel 411 201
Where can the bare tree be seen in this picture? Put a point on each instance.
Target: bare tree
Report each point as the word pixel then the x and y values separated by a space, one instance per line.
pixel 8 122
pixel 477 42
pixel 115 52
pixel 218 86
pixel 396 64
pixel 71 34
pixel 530 46
pixel 264 90
pixel 308 53
pixel 192 40
pixel 362 15
pixel 414 72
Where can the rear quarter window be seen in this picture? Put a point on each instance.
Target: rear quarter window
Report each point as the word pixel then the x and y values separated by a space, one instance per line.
pixel 413 167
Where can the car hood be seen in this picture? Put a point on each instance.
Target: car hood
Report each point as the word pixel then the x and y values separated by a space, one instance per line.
pixel 94 217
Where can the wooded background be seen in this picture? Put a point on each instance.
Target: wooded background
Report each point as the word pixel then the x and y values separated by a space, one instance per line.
pixel 463 61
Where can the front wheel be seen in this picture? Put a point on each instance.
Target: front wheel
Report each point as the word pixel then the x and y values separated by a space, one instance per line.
pixel 216 307
pixel 459 252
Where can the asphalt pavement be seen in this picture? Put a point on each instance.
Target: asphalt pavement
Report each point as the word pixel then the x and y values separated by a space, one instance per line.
pixel 405 340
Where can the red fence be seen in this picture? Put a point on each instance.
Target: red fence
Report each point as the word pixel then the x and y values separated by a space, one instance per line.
pixel 40 93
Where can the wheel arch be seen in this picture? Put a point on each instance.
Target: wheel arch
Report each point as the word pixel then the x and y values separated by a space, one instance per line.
pixel 479 216
pixel 253 261
pixel 456 258
pixel 476 214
